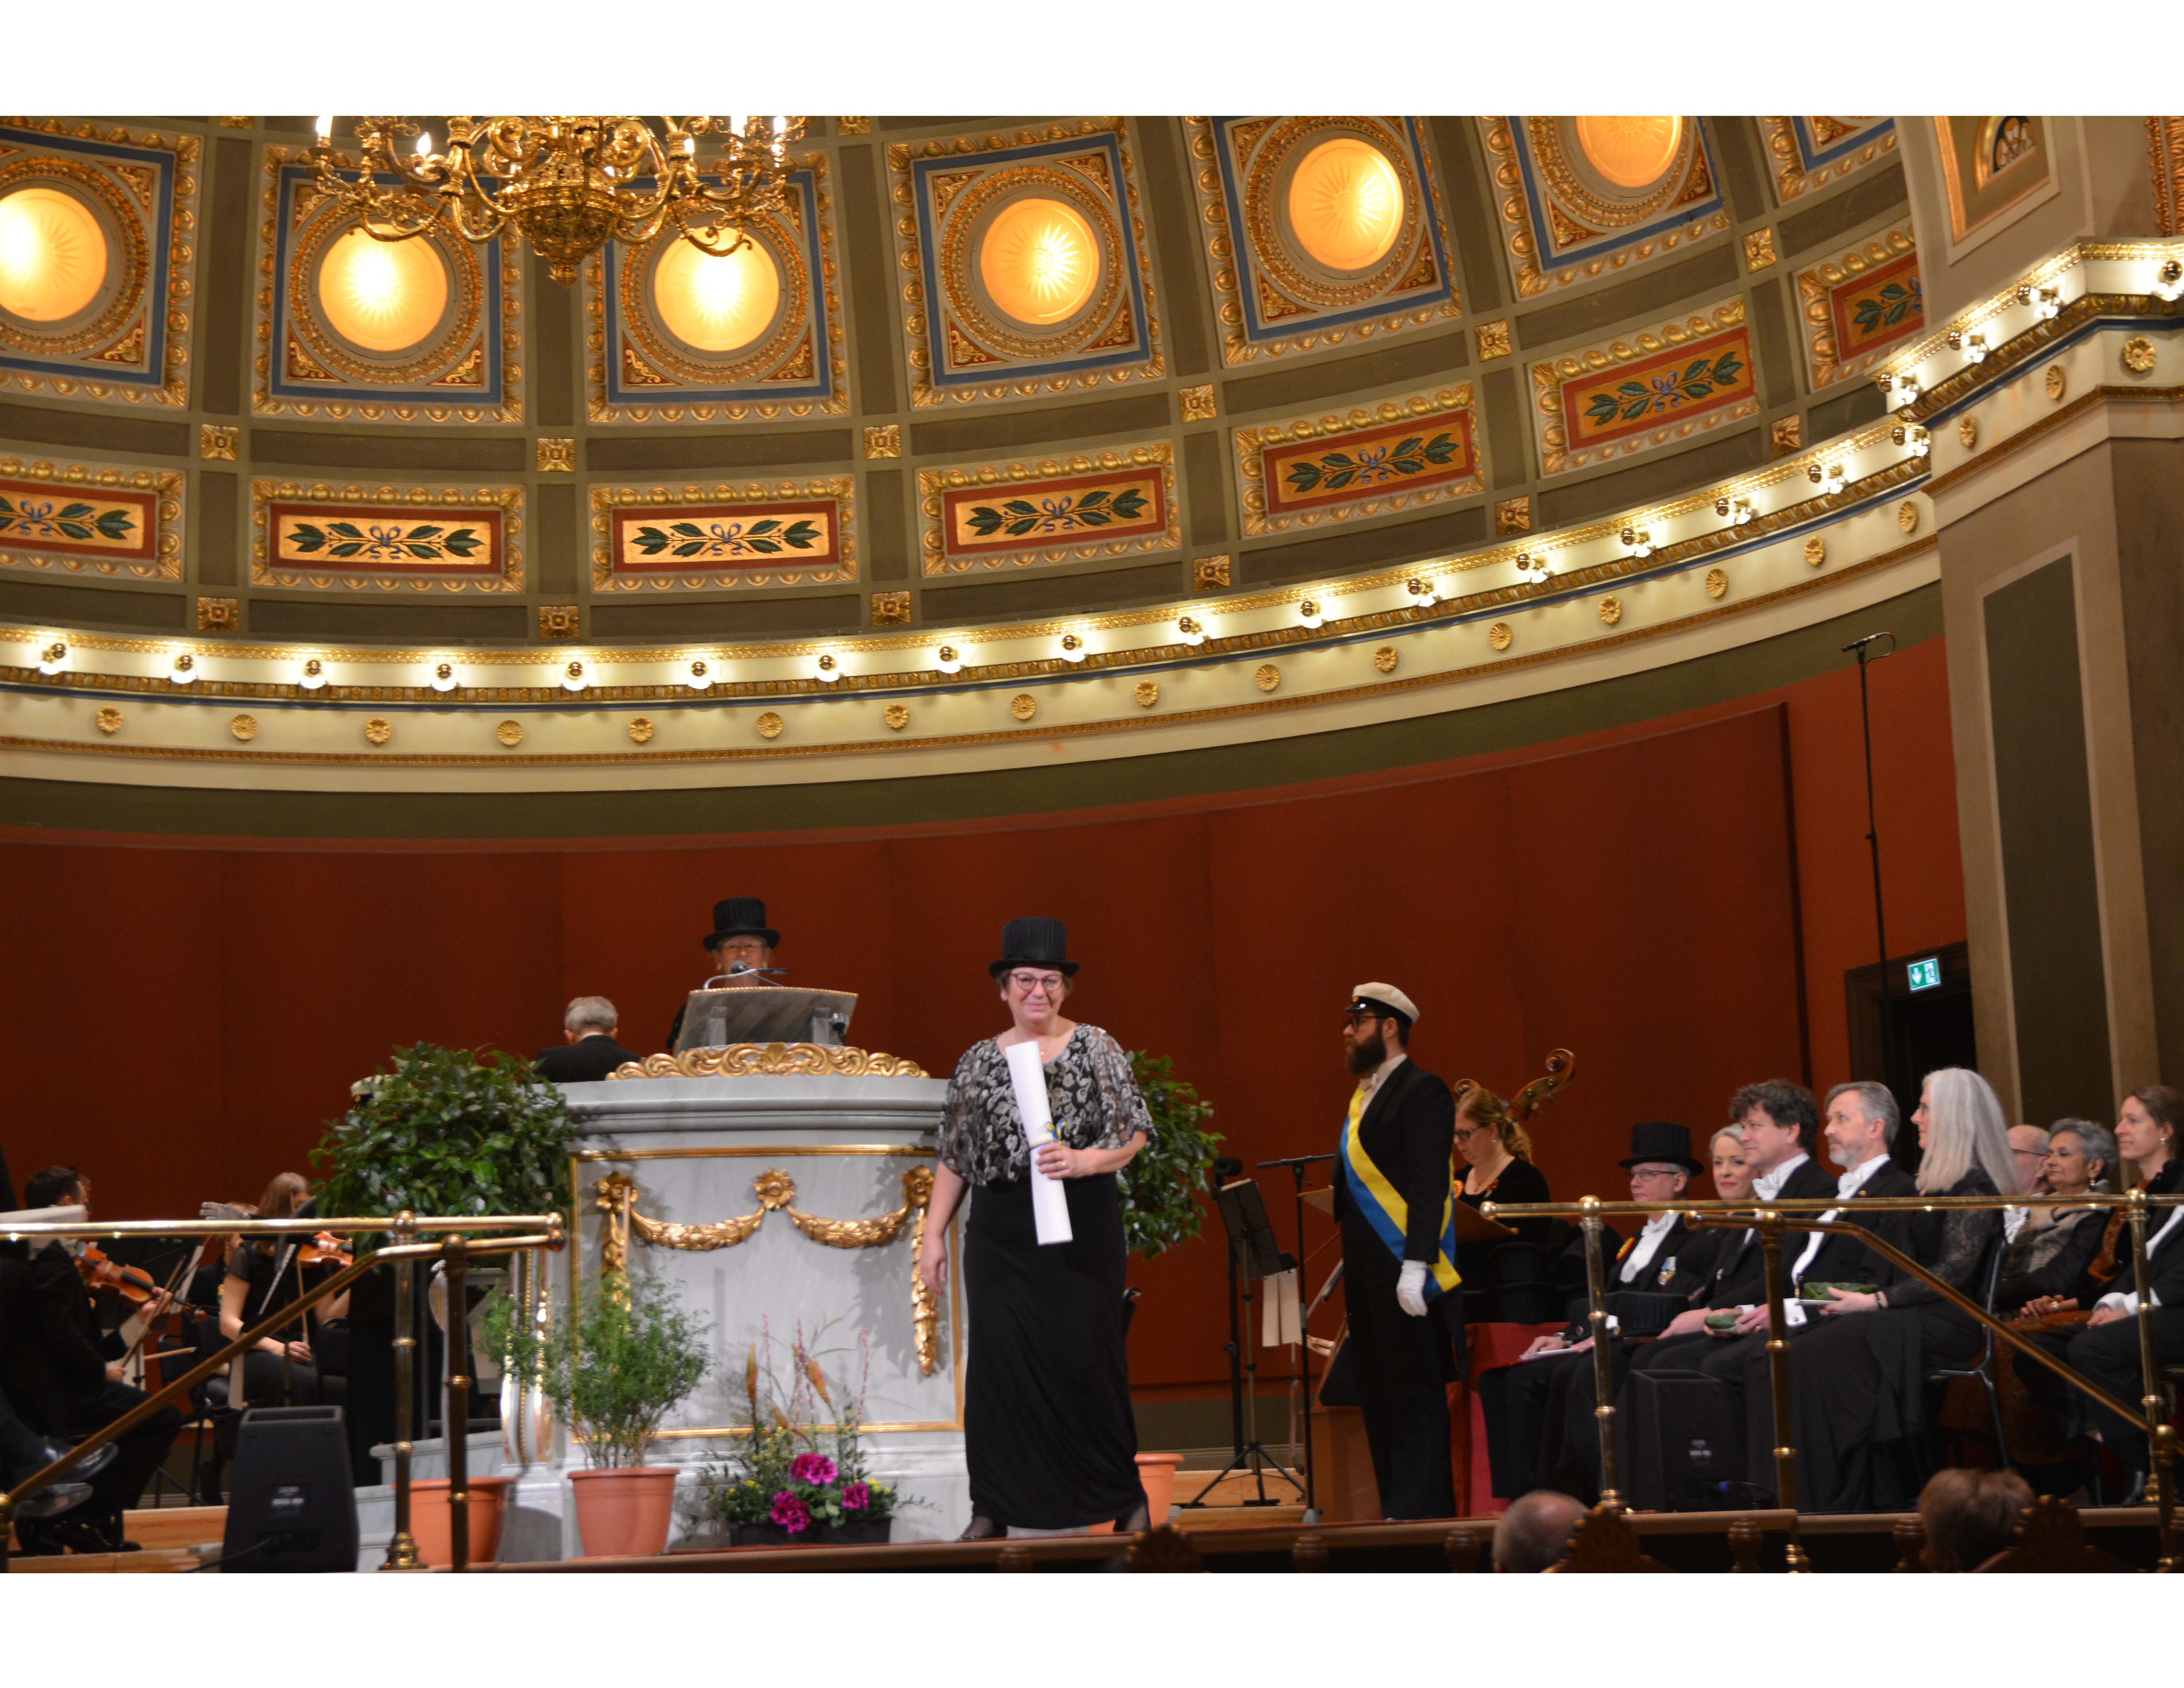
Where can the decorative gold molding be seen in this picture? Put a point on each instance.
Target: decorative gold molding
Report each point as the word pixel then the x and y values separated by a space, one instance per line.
pixel 1758 251
pixel 1454 406
pixel 890 609
pixel 1493 340
pixel 1791 178
pixel 449 503
pixel 1816 288
pixel 1210 574
pixel 557 456
pixel 791 569
pixel 1057 538
pixel 883 440
pixel 1558 454
pixel 218 615
pixel 1513 515
pixel 216 442
pixel 1198 405
pixel 156 494
pixel 771 1061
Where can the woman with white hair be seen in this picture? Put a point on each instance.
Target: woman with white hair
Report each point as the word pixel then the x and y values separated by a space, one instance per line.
pixel 1858 1399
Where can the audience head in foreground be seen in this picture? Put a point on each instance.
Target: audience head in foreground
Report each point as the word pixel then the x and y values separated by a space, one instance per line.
pixel 1970 1516
pixel 1535 1532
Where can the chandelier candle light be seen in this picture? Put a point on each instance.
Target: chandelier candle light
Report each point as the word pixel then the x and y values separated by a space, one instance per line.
pixel 568 184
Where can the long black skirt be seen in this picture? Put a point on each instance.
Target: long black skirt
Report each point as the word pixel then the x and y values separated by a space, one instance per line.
pixel 1857 1390
pixel 1047 1427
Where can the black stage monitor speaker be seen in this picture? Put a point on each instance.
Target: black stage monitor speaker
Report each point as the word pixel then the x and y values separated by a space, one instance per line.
pixel 1684 1449
pixel 292 1507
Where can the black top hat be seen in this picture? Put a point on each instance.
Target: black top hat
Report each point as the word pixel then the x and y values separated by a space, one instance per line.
pixel 1657 1139
pixel 1035 941
pixel 740 917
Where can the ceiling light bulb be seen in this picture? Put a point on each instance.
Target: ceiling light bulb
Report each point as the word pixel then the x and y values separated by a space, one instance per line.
pixel 1639 540
pixel 2170 282
pixel 1072 648
pixel 948 659
pixel 736 125
pixel 1532 569
pixel 1915 440
pixel 1188 631
pixel 1973 346
pixel 701 676
pixel 573 678
pixel 313 674
pixel 54 658
pixel 1308 613
pixel 325 128
pixel 829 670
pixel 184 669
pixel 1422 590
pixel 424 145
pixel 443 677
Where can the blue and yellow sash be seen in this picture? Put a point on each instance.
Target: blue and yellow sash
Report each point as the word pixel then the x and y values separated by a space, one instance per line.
pixel 1384 1208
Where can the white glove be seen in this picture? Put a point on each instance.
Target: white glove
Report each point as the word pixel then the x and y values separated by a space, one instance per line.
pixel 1411 1289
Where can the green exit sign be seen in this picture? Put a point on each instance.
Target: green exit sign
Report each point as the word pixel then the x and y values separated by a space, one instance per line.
pixel 1925 975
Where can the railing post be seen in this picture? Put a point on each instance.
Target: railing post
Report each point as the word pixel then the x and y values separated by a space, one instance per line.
pixel 402 1546
pixel 458 1423
pixel 1603 1376
pixel 1778 1371
pixel 2160 1441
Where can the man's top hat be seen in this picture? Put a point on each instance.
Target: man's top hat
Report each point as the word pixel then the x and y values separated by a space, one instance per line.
pixel 1035 941
pixel 740 917
pixel 1659 1140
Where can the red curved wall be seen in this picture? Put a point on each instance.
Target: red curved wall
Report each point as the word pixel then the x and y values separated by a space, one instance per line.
pixel 188 1013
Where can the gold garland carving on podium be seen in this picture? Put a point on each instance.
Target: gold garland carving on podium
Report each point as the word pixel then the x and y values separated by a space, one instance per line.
pixel 617 1200
pixel 771 1060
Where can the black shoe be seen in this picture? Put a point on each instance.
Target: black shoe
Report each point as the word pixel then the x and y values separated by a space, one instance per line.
pixel 2134 1494
pixel 89 1465
pixel 981 1528
pixel 53 1500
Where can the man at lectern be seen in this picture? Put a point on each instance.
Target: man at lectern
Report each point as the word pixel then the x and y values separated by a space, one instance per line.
pixel 1394 1198
pixel 740 939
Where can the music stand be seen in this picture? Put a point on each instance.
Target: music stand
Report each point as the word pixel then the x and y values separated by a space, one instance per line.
pixel 1254 1254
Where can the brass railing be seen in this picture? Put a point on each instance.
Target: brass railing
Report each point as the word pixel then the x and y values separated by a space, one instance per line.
pixel 1771 1219
pixel 456 1244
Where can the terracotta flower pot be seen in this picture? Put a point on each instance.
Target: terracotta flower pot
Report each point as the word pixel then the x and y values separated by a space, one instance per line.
pixel 429 1516
pixel 1156 1471
pixel 624 1511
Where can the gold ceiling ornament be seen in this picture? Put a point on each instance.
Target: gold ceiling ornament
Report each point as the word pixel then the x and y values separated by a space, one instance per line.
pixel 378 730
pixel 1968 431
pixel 1266 676
pixel 109 721
pixel 509 732
pixel 1024 706
pixel 244 726
pixel 896 715
pixel 1717 582
pixel 1816 551
pixel 1501 636
pixel 567 184
pixel 1611 610
pixel 1907 516
pixel 216 442
pixel 1385 659
pixel 771 1060
pixel 640 730
pixel 769 725
pixel 1147 693
pixel 2137 355
pixel 2056 383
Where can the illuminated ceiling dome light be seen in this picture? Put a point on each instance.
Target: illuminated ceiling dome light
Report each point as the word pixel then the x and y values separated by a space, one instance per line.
pixel 1973 346
pixel 385 296
pixel 701 676
pixel 54 658
pixel 1308 613
pixel 1346 203
pixel 2046 303
pixel 1039 260
pixel 573 677
pixel 183 669
pixel 313 674
pixel 1737 512
pixel 1072 648
pixel 1534 569
pixel 444 677
pixel 717 304
pixel 1830 480
pixel 1188 631
pixel 829 669
pixel 948 659
pixel 1630 152
pixel 53 256
pixel 1916 441
pixel 1422 589
pixel 1639 540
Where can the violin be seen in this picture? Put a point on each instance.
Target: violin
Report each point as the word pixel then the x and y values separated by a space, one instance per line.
pixel 325 1250
pixel 131 1282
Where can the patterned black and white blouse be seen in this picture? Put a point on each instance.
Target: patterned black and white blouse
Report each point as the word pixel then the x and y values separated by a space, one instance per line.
pixel 1089 1088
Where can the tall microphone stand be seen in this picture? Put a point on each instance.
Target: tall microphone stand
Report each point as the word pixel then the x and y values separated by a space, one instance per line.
pixel 1300 1365
pixel 1862 646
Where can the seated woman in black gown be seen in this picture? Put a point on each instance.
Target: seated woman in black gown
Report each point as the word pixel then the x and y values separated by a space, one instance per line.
pixel 1858 1383
pixel 1048 1432
pixel 2049 1266
pixel 263 1276
pixel 1497 1156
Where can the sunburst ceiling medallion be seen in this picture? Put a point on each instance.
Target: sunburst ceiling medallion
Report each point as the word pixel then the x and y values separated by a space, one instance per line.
pixel 1345 204
pixel 383 296
pixel 1039 260
pixel 54 255
pixel 716 304
pixel 1630 152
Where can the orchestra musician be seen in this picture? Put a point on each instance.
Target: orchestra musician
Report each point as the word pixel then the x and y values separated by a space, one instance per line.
pixel 263 1276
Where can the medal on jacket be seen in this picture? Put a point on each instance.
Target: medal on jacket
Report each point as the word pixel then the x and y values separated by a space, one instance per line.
pixel 1668 1272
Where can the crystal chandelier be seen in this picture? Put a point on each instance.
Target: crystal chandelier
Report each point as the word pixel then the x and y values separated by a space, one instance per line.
pixel 568 184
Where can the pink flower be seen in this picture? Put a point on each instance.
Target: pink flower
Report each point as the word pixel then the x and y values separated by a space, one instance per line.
pixel 812 1467
pixel 791 1513
pixel 856 1498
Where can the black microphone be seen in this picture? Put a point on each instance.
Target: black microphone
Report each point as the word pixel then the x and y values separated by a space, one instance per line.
pixel 1859 645
pixel 1294 1161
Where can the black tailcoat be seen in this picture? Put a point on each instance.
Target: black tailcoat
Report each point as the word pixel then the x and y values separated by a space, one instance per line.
pixel 586 1061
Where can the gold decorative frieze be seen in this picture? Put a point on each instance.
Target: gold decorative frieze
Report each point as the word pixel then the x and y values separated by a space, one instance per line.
pixel 1403 452
pixel 1811 151
pixel 216 443
pixel 676 336
pixel 353 329
pixel 90 519
pixel 358 538
pixel 1584 198
pixel 883 440
pixel 1859 303
pixel 1024 263
pixel 99 228
pixel 1688 374
pixel 755 534
pixel 1318 230
pixel 771 1060
pixel 1022 515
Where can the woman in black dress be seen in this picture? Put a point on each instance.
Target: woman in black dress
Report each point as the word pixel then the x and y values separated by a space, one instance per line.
pixel 1858 1383
pixel 1047 1427
pixel 262 1277
pixel 1497 1158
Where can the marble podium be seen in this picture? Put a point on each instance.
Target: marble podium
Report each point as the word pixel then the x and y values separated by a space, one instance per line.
pixel 773 1185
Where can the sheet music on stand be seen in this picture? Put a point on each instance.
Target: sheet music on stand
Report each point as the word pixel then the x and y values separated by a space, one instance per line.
pixel 1261 1256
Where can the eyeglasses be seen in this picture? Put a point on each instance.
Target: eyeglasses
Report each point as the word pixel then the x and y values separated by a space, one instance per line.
pixel 1637 1172
pixel 1028 982
pixel 1357 1016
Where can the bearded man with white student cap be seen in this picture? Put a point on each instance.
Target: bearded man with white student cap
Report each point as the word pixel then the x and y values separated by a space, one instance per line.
pixel 1394 1196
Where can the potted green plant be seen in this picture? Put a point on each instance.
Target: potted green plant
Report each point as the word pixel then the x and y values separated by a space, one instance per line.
pixel 798 1477
pixel 611 1372
pixel 1163 1190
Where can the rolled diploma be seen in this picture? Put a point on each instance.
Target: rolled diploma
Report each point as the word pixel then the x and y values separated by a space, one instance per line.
pixel 1049 1202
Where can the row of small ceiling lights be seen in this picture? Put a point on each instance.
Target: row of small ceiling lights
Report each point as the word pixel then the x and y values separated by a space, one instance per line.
pixel 1901 389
